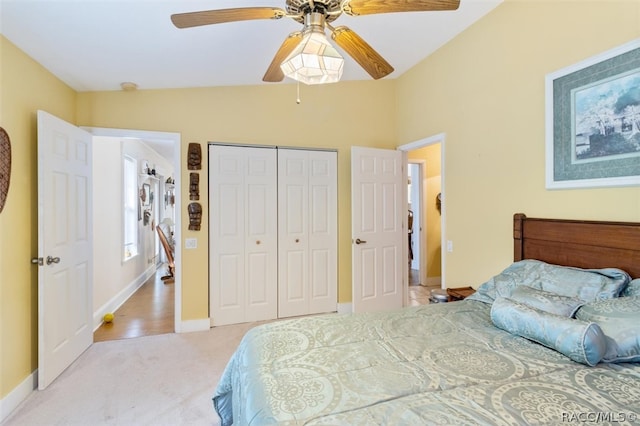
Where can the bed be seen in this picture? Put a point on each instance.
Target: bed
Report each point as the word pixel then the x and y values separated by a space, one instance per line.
pixel 552 339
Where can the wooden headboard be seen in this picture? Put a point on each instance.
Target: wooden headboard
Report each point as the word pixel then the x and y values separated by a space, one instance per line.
pixel 580 243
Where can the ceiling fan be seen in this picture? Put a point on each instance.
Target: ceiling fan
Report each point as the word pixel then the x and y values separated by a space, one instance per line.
pixel 316 15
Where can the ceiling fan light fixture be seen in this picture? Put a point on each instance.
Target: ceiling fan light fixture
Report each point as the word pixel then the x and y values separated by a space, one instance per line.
pixel 314 60
pixel 128 86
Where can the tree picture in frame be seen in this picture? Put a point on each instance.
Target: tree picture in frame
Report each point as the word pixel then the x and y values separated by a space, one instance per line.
pixel 593 121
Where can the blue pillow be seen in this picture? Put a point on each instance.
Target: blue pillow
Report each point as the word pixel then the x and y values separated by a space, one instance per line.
pixel 620 321
pixel 586 284
pixel 633 289
pixel 583 342
pixel 553 303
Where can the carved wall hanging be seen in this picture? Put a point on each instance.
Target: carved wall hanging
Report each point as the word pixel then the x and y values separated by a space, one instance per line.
pixel 194 186
pixel 194 156
pixel 5 166
pixel 195 216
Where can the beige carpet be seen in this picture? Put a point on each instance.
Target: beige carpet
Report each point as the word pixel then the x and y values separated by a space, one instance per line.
pixel 167 379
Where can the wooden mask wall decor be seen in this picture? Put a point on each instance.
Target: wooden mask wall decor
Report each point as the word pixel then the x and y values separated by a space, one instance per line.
pixel 194 156
pixel 194 186
pixel 5 166
pixel 195 216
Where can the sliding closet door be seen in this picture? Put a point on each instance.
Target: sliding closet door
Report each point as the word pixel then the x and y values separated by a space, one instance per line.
pixel 243 234
pixel 307 232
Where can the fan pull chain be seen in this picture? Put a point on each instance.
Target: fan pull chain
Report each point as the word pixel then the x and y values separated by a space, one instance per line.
pixel 298 97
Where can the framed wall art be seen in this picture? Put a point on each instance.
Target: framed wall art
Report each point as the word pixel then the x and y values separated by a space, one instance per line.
pixel 593 121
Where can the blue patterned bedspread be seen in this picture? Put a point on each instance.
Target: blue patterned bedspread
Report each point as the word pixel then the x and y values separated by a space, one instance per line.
pixel 434 364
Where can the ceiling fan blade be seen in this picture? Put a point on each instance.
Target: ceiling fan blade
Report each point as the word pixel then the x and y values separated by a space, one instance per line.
pixel 274 74
pixel 207 17
pixel 369 7
pixel 360 50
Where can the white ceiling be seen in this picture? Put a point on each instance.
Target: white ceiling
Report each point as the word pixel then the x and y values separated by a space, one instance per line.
pixel 95 45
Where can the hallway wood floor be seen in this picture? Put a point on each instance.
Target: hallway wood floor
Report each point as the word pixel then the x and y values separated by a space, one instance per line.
pixel 149 311
pixel 418 294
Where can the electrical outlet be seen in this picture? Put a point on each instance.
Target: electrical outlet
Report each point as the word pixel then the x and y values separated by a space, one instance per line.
pixel 190 243
pixel 450 246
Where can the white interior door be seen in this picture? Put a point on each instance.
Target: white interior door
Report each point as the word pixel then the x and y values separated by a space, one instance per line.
pixel 378 206
pixel 65 245
pixel 243 234
pixel 307 232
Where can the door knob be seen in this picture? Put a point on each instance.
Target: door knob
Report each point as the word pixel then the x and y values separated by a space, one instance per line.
pixel 51 260
pixel 359 241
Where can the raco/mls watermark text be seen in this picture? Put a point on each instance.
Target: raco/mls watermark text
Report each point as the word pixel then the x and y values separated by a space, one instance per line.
pixel 598 417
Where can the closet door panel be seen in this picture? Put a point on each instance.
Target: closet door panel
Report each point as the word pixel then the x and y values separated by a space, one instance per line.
pixel 229 223
pixel 229 270
pixel 296 209
pixel 243 234
pixel 296 276
pixel 259 295
pixel 261 244
pixel 292 242
pixel 293 218
pixel 321 281
pixel 323 231
pixel 226 230
pixel 319 210
pixel 307 214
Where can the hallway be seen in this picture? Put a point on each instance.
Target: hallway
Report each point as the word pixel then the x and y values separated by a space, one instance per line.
pixel 418 294
pixel 149 311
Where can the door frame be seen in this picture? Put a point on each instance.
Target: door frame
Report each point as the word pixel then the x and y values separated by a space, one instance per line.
pixel 175 139
pixel 431 140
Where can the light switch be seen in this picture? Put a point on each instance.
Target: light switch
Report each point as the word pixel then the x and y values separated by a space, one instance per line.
pixel 190 243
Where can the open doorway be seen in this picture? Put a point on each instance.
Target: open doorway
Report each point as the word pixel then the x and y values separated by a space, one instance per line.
pixel 130 285
pixel 425 168
pixel 414 223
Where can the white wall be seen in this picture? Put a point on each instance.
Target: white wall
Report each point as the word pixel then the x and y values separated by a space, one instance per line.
pixel 115 280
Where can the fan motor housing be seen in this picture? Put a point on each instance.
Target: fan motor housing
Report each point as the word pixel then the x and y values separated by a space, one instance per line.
pixel 329 8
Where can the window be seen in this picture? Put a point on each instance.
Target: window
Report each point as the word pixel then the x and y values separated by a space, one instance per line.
pixel 130 191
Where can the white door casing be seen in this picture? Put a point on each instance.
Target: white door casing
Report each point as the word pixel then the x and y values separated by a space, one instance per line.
pixel 243 234
pixel 65 246
pixel 174 140
pixel 307 232
pixel 378 209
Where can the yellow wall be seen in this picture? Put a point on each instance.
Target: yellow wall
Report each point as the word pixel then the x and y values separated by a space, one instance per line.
pixel 332 116
pixel 25 87
pixel 485 90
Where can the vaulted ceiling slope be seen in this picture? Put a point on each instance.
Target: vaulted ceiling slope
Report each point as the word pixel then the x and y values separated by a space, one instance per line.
pixel 95 45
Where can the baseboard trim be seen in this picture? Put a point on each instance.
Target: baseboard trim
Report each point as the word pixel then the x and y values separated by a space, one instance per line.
pixel 345 308
pixel 194 325
pixel 433 282
pixel 119 299
pixel 17 396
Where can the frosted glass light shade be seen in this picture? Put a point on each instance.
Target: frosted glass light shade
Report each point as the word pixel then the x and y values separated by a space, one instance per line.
pixel 314 60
